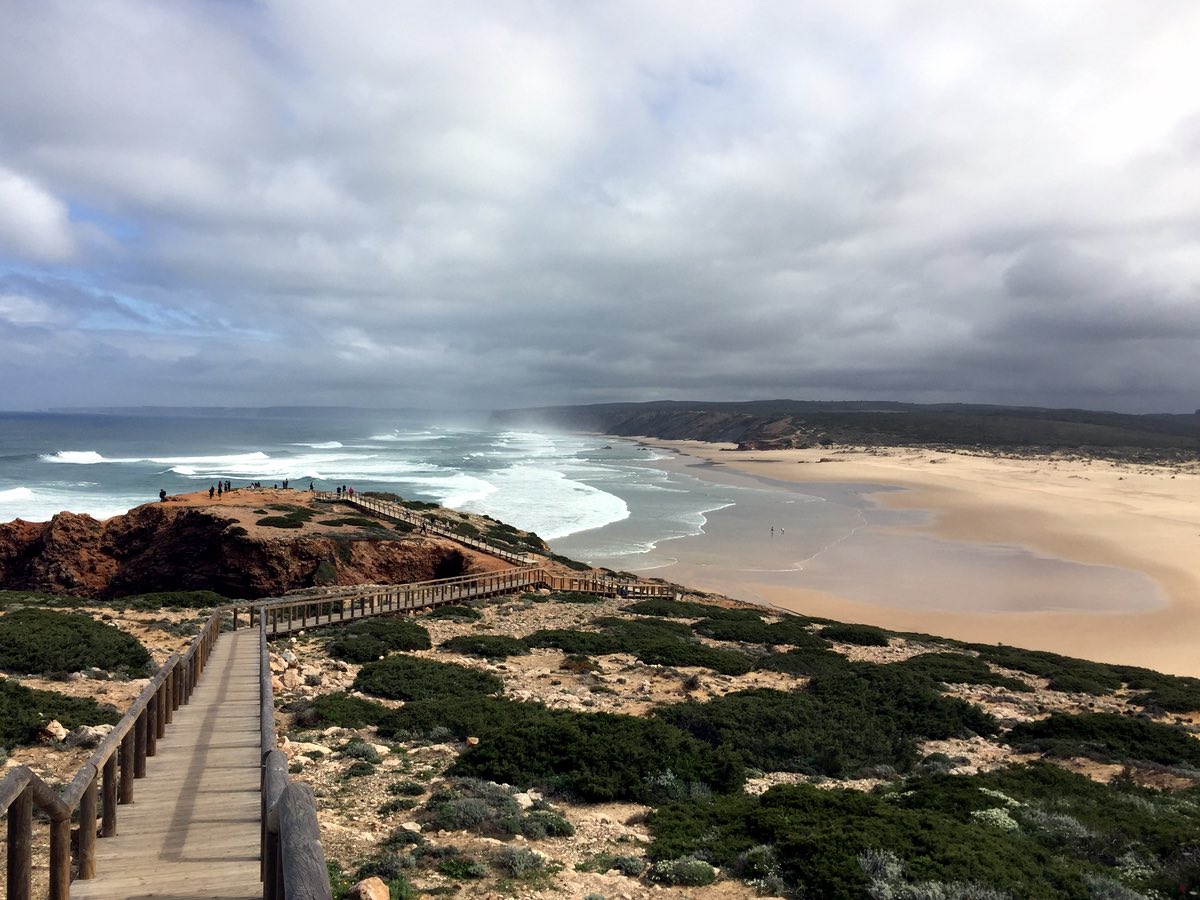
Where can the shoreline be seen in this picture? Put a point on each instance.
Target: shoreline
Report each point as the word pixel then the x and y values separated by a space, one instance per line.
pixel 1115 541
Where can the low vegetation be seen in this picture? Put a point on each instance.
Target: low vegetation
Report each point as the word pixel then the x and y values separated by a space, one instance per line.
pixel 25 711
pixel 45 642
pixel 1107 737
pixel 403 677
pixel 488 646
pixel 369 639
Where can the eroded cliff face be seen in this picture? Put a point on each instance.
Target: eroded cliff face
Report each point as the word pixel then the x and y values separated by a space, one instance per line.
pixel 163 547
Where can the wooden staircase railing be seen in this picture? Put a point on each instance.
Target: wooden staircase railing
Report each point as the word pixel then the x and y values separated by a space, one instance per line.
pixel 104 782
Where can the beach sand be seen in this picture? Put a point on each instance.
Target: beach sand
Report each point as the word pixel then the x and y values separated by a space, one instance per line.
pixel 1087 558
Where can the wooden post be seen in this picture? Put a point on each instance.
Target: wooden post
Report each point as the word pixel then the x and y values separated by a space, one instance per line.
pixel 127 769
pixel 152 724
pixel 108 823
pixel 20 845
pixel 160 723
pixel 87 830
pixel 139 746
pixel 304 872
pixel 60 859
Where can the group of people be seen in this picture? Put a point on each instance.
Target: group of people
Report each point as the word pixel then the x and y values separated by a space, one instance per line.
pixel 220 488
pixel 344 491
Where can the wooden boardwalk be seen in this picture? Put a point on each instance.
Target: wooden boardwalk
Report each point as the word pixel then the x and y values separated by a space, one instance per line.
pixel 193 830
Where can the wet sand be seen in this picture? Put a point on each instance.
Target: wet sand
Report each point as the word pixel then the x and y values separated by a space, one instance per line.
pixel 1082 557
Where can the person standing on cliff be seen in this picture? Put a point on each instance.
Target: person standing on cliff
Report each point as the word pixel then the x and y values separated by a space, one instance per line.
pixel 162 495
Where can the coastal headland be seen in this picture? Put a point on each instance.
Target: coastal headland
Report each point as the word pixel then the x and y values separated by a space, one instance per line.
pixel 1117 518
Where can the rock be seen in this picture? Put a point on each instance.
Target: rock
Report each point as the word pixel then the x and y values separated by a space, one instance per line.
pixel 291 679
pixel 301 748
pixel 88 735
pixel 53 731
pixel 414 827
pixel 289 657
pixel 371 888
pixel 278 666
pixel 472 742
pixel 276 684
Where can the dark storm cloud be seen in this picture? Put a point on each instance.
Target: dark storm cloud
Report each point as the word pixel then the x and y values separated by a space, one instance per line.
pixel 483 205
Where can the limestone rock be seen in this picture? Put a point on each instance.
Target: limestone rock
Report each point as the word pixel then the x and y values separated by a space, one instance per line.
pixel 371 888
pixel 53 731
pixel 88 735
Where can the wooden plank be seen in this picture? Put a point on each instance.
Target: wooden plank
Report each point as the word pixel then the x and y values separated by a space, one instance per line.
pixel 193 830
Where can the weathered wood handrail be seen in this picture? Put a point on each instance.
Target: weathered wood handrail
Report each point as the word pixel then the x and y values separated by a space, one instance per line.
pixel 286 615
pixel 293 863
pixel 391 510
pixel 100 783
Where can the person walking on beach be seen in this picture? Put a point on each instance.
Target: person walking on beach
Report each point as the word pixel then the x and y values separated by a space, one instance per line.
pixel 211 490
pixel 218 490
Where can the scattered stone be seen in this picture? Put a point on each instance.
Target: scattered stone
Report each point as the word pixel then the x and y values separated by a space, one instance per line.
pixel 371 888
pixel 88 735
pixel 53 731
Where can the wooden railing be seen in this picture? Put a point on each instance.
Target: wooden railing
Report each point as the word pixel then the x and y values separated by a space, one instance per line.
pixel 399 513
pixel 286 615
pixel 293 863
pixel 104 783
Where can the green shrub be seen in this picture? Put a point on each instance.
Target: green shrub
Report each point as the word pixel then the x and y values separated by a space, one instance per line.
pixel 683 609
pixel 569 563
pixel 460 869
pixel 357 748
pixel 181 599
pixel 663 643
pixel 351 522
pixel 572 597
pixel 957 668
pixel 454 614
pixel 488 646
pixel 1168 693
pixel 1107 737
pixel 467 529
pixel 520 862
pixel 359 768
pixel 588 643
pixel 369 639
pixel 39 599
pixel 805 661
pixel 863 715
pixel 281 522
pixel 756 631
pixel 687 871
pixel 594 756
pixel 1063 672
pixel 862 635
pixel 24 711
pixel 539 823
pixel 338 709
pixel 406 788
pixel 41 642
pixel 413 678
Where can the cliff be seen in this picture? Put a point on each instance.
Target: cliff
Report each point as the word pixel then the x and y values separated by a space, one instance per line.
pixel 177 546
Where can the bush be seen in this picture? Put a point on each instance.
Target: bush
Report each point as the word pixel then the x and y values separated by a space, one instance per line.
pixel 369 639
pixel 42 642
pixel 24 711
pixel 1107 737
pixel 671 644
pixel 957 668
pixel 862 715
pixel 454 614
pixel 460 869
pixel 593 756
pixel 540 823
pixel 683 609
pixel 687 871
pixel 756 631
pixel 488 646
pixel 338 709
pixel 357 748
pixel 181 599
pixel 406 788
pixel 805 661
pixel 413 678
pixel 1064 673
pixel 520 862
pixel 359 768
pixel 588 643
pixel 862 635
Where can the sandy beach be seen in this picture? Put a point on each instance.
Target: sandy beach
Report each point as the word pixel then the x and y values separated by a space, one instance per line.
pixel 1088 558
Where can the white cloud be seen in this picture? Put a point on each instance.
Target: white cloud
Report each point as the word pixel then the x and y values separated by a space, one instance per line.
pixel 33 222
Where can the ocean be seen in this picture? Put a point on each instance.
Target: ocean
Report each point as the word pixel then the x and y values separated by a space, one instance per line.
pixel 606 501
pixel 598 499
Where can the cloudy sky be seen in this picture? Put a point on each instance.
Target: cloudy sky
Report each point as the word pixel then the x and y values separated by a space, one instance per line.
pixel 515 203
